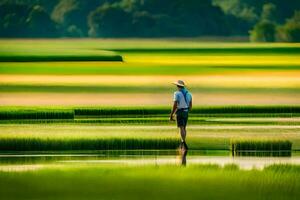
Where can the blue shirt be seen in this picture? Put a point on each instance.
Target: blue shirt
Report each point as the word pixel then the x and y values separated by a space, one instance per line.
pixel 179 98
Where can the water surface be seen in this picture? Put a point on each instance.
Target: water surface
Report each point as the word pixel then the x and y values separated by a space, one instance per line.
pixel 18 161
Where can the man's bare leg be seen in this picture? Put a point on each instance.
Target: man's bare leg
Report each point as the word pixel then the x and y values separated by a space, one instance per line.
pixel 182 133
pixel 183 136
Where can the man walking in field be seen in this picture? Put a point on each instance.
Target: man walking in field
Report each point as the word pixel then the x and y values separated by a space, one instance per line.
pixel 182 105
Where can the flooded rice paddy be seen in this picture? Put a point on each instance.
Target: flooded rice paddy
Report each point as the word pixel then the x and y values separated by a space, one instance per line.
pixel 39 160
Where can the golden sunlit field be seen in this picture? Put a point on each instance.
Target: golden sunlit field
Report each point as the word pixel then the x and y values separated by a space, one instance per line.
pixel 217 73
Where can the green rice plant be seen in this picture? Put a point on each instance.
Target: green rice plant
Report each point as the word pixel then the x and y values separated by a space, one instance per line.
pixel 192 120
pixel 216 137
pixel 247 109
pixel 283 168
pixel 122 182
pixel 55 144
pixel 36 114
pixel 132 114
pixel 262 147
pixel 110 111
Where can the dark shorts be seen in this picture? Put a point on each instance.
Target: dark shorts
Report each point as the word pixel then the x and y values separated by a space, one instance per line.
pixel 182 118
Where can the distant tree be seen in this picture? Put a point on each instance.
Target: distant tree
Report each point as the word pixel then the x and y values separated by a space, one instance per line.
pixel 149 18
pixel 290 31
pixel 144 24
pixel 48 5
pixel 249 11
pixel 74 31
pixel 110 20
pixel 13 19
pixel 62 8
pixel 238 8
pixel 263 32
pixel 285 9
pixel 74 13
pixel 268 12
pixel 40 24
pixel 265 29
pixel 189 17
pixel 60 16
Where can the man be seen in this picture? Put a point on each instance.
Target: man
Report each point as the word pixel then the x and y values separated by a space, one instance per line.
pixel 182 105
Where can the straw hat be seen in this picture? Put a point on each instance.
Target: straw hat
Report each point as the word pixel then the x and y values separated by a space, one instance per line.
pixel 179 83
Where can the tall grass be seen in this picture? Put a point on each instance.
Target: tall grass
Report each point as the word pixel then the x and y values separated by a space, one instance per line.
pixel 36 114
pixel 260 147
pixel 109 112
pixel 127 114
pixel 196 110
pixel 55 144
pixel 151 182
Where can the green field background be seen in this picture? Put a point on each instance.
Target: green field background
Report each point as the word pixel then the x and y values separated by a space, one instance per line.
pixel 216 72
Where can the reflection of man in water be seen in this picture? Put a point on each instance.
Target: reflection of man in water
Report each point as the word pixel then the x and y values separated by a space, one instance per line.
pixel 183 157
pixel 182 105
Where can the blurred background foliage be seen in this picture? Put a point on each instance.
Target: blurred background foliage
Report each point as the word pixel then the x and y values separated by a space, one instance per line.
pixel 261 20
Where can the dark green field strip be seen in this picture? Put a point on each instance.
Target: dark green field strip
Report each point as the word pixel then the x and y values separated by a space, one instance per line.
pixel 197 115
pixel 133 69
pixel 52 144
pixel 196 110
pixel 141 114
pixel 138 89
pixel 211 50
pixel 37 121
pixel 261 145
pixel 50 58
pixel 36 114
pixel 195 121
pixel 51 55
pixel 153 121
pixel 128 143
pixel 245 115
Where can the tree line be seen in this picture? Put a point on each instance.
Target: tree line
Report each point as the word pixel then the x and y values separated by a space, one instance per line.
pixel 262 20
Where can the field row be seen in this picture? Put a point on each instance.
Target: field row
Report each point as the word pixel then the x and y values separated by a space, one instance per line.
pixel 145 99
pixel 50 55
pixel 10 113
pixel 141 44
pixel 257 80
pixel 139 89
pixel 41 137
pixel 161 66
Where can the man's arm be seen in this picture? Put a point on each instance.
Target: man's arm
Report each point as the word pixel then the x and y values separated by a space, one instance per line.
pixel 191 104
pixel 173 110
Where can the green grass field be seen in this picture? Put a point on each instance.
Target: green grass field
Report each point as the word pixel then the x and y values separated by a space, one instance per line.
pixel 69 78
pixel 216 73
pixel 87 96
pixel 152 182
pixel 53 136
